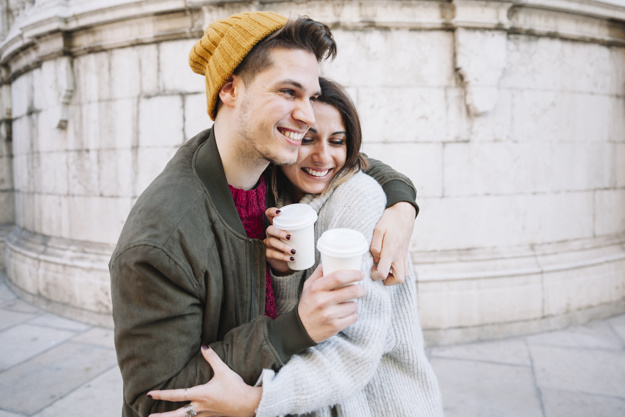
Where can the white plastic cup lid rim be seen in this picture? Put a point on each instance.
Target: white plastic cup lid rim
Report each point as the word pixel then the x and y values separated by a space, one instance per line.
pixel 342 243
pixel 295 217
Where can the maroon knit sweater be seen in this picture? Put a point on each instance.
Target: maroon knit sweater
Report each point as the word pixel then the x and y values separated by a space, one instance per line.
pixel 251 208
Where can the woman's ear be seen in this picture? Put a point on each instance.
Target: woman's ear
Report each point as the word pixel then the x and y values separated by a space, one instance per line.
pixel 230 91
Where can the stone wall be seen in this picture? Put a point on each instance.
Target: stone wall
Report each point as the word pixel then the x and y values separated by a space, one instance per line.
pixel 513 129
pixel 508 116
pixel 7 204
pixel 94 129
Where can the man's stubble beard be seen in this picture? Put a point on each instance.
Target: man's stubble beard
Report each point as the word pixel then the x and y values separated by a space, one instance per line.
pixel 256 151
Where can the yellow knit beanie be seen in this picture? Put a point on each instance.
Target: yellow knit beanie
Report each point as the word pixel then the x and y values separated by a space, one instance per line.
pixel 224 45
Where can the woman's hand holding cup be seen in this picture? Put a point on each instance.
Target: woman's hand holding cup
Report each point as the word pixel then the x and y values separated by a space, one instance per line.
pixel 278 253
pixel 296 225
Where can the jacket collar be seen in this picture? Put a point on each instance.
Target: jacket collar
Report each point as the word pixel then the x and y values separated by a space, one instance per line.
pixel 210 170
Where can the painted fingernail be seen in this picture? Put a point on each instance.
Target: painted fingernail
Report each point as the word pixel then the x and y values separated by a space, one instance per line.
pixel 149 396
pixel 293 251
pixel 288 237
pixel 277 211
pixel 292 258
pixel 205 347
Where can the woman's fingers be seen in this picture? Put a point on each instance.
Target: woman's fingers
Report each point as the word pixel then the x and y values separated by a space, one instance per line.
pixel 173 395
pixel 181 412
pixel 271 212
pixel 273 231
pixel 277 249
pixel 280 256
pixel 275 243
pixel 210 399
pixel 214 361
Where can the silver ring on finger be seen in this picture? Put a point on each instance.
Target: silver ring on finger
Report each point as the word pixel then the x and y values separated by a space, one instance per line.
pixel 189 410
pixel 185 394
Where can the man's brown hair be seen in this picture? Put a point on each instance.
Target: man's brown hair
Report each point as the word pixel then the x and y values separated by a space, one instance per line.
pixel 300 33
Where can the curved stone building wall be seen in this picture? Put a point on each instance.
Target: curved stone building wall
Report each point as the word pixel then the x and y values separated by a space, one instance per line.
pixel 7 204
pixel 508 116
pixel 98 107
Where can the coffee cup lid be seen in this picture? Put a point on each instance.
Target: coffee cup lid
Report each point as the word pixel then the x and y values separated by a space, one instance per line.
pixel 342 243
pixel 295 216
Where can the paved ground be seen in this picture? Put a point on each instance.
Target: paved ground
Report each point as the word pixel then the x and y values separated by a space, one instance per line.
pixel 53 367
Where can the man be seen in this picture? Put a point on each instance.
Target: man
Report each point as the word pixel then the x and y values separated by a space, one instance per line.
pixel 189 268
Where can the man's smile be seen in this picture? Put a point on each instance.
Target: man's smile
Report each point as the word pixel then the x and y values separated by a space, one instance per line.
pixel 294 136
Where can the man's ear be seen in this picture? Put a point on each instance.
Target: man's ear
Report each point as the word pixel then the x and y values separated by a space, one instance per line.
pixel 230 91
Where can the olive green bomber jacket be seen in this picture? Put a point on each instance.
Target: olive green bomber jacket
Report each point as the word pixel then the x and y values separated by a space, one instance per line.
pixel 184 273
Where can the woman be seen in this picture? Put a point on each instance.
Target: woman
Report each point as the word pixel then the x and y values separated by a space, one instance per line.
pixel 375 367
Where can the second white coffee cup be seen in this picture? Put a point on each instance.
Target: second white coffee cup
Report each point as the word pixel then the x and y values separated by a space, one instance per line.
pixel 299 220
pixel 341 249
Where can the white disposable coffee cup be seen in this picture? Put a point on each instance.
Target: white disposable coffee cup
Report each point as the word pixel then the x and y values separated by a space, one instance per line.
pixel 341 249
pixel 299 220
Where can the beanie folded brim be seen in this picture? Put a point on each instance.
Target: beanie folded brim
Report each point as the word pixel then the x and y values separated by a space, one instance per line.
pixel 225 44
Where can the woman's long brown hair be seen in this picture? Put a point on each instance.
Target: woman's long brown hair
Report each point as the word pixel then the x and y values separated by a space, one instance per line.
pixel 334 95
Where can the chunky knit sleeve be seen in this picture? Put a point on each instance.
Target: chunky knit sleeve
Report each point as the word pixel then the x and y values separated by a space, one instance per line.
pixel 337 368
pixel 286 290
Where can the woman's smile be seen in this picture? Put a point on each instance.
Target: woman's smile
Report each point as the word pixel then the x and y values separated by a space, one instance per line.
pixel 317 172
pixel 322 153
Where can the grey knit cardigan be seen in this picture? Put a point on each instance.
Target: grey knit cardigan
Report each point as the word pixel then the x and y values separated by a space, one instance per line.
pixel 377 366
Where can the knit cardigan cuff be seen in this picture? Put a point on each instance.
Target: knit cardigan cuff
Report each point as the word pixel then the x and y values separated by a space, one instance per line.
pixel 286 291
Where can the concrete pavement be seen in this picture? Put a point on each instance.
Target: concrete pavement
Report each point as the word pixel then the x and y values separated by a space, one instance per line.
pixel 54 367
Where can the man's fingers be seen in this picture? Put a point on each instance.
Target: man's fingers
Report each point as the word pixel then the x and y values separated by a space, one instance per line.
pixel 383 268
pixel 345 322
pixel 376 244
pixel 398 270
pixel 339 279
pixel 325 309
pixel 316 275
pixel 392 280
pixel 345 309
pixel 342 296
pixel 349 292
pixel 341 316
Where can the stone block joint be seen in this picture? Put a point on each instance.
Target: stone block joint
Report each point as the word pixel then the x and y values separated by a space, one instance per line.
pixel 67 92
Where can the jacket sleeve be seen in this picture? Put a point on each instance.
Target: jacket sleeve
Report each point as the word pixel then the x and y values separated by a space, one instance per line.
pixel 335 369
pixel 396 186
pixel 158 313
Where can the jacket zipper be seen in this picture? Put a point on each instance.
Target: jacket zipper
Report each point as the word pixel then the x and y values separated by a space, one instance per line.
pixel 251 279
